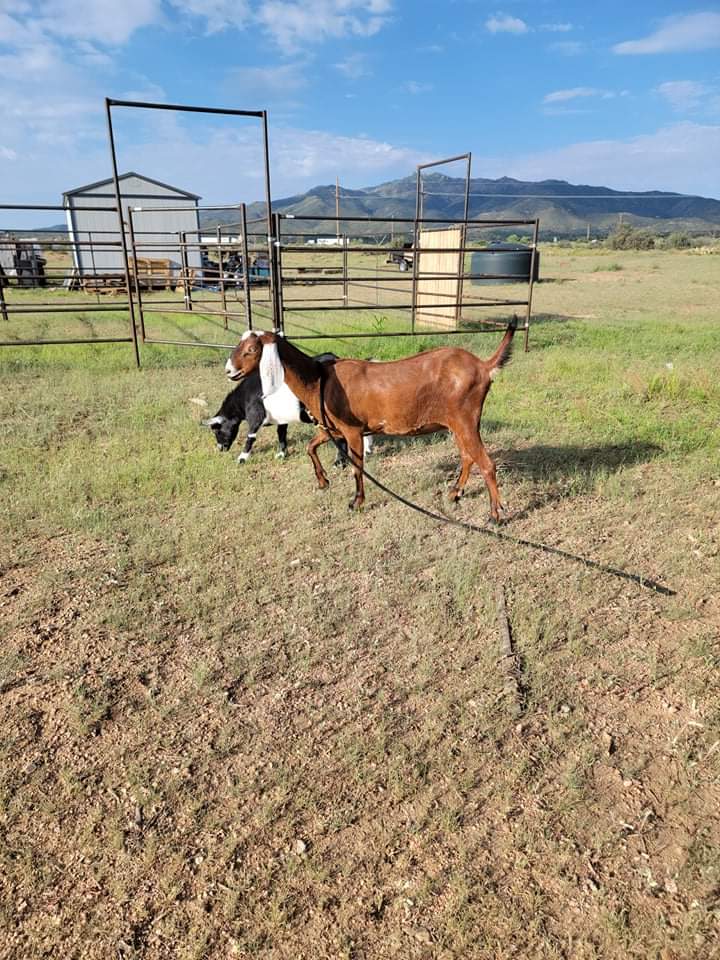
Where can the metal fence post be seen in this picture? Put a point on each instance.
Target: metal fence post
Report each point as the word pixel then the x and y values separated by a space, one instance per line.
pixel 185 270
pixel 3 307
pixel 141 311
pixel 246 265
pixel 533 257
pixel 221 276
pixel 416 253
pixel 278 310
pixel 123 239
pixel 273 280
pixel 463 244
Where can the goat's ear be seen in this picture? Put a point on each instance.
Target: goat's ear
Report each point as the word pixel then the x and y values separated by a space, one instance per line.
pixel 213 422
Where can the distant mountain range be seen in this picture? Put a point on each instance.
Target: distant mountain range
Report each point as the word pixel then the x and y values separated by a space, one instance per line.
pixel 564 208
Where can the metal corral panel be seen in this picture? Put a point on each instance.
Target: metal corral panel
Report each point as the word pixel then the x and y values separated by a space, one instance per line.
pixel 95 235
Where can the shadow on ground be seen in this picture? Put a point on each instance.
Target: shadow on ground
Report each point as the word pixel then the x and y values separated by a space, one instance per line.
pixel 553 463
pixel 557 472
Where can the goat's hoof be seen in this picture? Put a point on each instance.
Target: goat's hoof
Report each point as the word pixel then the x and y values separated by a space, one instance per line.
pixel 355 504
pixel 281 455
pixel 323 486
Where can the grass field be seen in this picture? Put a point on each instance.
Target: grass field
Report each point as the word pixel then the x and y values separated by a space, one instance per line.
pixel 240 721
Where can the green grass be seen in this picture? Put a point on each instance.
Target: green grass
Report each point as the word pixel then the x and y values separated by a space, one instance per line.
pixel 203 664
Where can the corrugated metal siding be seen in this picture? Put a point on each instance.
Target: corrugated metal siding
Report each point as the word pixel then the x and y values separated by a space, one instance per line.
pixel 151 227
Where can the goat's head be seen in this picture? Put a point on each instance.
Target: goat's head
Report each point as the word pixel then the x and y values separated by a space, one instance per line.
pixel 246 356
pixel 225 430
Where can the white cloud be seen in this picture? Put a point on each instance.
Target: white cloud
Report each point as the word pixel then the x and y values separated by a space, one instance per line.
pixel 201 160
pixel 502 23
pixel 415 87
pixel 218 14
pixel 105 21
pixel 674 158
pixel 354 67
pixel 557 27
pixel 292 24
pixel 7 154
pixel 684 94
pixel 11 30
pixel 567 48
pixel 695 31
pixel 318 154
pixel 562 96
pixel 284 79
pixel 91 55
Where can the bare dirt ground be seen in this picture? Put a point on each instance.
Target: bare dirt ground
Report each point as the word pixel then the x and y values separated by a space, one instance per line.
pixel 239 721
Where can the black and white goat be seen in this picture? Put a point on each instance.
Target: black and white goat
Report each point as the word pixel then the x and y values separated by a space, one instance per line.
pixel 246 402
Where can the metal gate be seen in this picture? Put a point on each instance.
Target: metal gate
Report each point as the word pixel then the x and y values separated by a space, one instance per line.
pixel 365 277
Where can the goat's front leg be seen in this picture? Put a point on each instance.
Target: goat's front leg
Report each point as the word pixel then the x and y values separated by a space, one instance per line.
pixel 321 437
pixel 253 428
pixel 282 441
pixel 354 442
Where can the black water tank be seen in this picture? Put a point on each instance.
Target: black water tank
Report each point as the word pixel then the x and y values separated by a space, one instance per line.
pixel 510 262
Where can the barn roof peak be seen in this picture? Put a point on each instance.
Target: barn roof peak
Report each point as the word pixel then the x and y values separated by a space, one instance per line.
pixel 125 176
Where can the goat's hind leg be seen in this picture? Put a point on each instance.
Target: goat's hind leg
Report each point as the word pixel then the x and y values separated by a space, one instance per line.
pixel 472 450
pixel 355 447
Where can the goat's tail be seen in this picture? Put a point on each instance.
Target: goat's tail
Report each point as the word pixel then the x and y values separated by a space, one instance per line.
pixel 504 352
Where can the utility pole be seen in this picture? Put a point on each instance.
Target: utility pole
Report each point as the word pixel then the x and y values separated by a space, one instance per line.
pixel 588 232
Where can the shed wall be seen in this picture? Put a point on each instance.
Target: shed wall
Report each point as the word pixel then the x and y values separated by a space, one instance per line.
pixel 152 227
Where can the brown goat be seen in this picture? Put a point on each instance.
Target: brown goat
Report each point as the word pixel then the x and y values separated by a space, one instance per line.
pixel 442 389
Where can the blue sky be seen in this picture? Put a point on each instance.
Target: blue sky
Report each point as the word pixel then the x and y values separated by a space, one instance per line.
pixel 625 95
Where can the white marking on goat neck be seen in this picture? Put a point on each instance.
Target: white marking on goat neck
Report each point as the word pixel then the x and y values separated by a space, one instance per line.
pixel 272 372
pixel 282 406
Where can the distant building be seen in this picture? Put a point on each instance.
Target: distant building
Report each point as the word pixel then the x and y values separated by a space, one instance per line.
pixel 158 227
pixel 326 242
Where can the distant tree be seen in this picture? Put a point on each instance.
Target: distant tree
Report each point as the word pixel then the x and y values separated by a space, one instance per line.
pixel 625 237
pixel 679 241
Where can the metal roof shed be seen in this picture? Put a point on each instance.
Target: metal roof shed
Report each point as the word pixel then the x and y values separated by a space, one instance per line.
pixel 94 234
